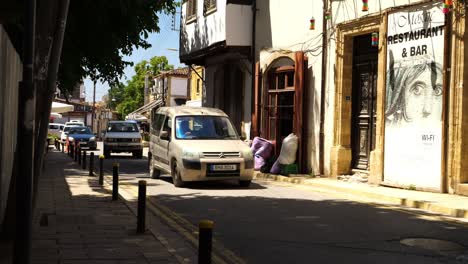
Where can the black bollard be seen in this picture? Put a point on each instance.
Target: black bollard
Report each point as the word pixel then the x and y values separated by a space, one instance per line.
pixel 75 157
pixel 62 146
pixel 115 182
pixel 91 164
pixel 205 235
pixel 101 170
pixel 83 163
pixel 78 154
pixel 141 207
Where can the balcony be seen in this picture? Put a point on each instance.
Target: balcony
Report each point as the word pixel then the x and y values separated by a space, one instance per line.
pixel 223 27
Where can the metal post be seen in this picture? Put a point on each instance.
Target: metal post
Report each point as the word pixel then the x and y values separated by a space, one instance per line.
pixel 75 157
pixel 62 146
pixel 83 163
pixel 115 182
pixel 91 164
pixel 205 235
pixel 101 170
pixel 78 154
pixel 141 207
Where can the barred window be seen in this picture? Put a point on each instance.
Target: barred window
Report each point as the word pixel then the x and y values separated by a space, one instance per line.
pixel 191 9
pixel 209 5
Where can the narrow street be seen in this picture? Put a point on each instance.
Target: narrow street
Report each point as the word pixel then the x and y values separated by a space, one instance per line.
pixel 282 223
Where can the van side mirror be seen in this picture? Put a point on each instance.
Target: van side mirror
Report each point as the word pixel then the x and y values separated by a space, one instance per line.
pixel 164 135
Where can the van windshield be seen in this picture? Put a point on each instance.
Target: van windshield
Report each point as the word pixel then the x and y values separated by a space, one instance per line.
pixel 122 127
pixel 204 127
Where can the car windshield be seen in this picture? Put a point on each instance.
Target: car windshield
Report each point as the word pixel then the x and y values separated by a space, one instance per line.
pixel 80 130
pixel 67 128
pixel 204 127
pixel 122 127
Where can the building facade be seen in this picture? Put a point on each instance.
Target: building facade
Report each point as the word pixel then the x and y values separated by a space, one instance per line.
pixel 374 87
pixel 218 36
pixel 395 86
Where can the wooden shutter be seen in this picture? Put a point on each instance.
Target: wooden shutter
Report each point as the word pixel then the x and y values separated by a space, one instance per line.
pixel 257 95
pixel 299 83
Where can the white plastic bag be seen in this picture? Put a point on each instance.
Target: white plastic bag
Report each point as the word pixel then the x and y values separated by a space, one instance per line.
pixel 288 150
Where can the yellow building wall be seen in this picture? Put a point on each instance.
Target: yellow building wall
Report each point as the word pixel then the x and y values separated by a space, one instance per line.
pixel 196 83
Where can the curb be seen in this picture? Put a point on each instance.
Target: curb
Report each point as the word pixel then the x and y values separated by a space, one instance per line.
pixel 433 207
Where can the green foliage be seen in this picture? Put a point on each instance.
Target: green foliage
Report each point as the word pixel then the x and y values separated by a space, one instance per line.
pixel 100 33
pixel 130 97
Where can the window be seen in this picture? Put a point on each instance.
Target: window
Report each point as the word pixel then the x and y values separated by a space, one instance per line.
pixel 157 123
pixel 191 10
pixel 209 6
pixel 122 127
pixel 204 127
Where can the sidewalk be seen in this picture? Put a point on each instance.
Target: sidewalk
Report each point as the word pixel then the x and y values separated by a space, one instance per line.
pixel 75 221
pixel 445 204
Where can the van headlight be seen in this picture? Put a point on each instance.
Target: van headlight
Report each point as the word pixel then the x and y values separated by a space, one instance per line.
pixel 189 154
pixel 92 138
pixel 137 140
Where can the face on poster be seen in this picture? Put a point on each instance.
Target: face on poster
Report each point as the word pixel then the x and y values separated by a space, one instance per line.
pixel 414 96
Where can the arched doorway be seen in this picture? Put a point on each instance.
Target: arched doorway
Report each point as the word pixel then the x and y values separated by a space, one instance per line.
pixel 279 95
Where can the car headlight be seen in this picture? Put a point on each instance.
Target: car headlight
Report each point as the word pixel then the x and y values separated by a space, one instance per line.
pixel 247 154
pixel 190 154
pixel 92 138
pixel 137 140
pixel 109 139
pixel 71 139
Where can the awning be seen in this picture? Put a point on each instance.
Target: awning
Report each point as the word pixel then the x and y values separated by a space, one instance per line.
pixel 55 115
pixel 61 108
pixel 147 107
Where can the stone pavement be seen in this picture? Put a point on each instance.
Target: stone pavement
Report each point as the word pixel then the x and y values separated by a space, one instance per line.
pixel 445 204
pixel 75 221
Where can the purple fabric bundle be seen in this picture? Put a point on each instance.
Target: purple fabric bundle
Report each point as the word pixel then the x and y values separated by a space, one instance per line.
pixel 261 149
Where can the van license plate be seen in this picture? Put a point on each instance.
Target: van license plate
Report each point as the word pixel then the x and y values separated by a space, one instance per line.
pixel 224 167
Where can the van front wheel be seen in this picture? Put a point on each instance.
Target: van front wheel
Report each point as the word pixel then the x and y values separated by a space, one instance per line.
pixel 154 173
pixel 176 178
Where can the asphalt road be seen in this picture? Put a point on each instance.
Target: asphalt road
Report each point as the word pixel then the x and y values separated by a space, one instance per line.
pixel 282 223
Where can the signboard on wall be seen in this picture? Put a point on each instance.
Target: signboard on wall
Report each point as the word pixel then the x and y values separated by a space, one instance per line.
pixel 414 97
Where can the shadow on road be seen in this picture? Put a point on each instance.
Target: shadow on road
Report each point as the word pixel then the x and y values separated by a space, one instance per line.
pixel 214 185
pixel 284 230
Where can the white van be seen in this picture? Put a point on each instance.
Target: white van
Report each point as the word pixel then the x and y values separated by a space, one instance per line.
pixel 55 129
pixel 197 144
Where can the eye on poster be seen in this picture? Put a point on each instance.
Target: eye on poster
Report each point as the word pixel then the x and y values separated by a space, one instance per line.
pixel 414 97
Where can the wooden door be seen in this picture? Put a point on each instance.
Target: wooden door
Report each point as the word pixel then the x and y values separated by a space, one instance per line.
pixel 364 113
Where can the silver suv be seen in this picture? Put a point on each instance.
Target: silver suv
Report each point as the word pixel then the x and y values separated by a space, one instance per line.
pixel 123 136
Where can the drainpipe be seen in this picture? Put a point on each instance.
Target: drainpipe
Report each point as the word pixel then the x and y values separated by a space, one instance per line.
pixel 252 57
pixel 323 89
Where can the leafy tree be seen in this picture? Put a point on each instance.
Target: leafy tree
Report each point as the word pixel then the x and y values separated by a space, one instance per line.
pixel 100 33
pixel 130 97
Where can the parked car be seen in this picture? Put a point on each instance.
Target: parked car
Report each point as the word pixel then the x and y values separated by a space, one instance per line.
pixel 123 136
pixel 74 122
pixel 55 129
pixel 197 144
pixel 83 136
pixel 64 134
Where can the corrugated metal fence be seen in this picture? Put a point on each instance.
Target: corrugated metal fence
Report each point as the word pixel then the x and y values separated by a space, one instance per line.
pixel 10 76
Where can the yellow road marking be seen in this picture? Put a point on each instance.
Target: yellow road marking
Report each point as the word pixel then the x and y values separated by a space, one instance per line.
pixel 166 214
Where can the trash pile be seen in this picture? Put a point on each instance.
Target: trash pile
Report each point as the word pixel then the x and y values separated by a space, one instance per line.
pixel 265 161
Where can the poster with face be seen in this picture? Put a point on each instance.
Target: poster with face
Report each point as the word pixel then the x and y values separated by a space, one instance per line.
pixel 414 97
